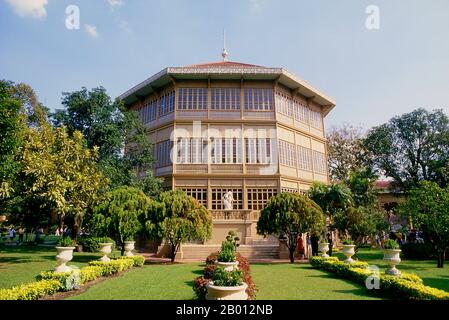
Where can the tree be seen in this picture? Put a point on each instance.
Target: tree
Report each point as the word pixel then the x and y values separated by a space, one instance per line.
pixel 331 198
pixel 290 215
pixel 346 151
pixel 411 148
pixel 360 222
pixel 428 208
pixel 361 183
pixel 177 217
pixel 120 214
pixel 119 134
pixel 11 137
pixel 58 173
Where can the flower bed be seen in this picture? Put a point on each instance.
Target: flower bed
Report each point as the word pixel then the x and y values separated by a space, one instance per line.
pixel 200 282
pixel 407 286
pixel 50 282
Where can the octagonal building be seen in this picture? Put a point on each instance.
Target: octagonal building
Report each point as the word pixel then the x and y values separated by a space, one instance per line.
pixel 233 127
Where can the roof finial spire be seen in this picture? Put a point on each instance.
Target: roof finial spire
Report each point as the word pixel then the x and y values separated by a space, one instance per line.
pixel 224 54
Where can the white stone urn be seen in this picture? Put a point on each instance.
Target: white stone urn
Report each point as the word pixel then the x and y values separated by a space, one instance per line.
pixel 392 257
pixel 65 254
pixel 348 251
pixel 228 266
pixel 324 248
pixel 105 249
pixel 226 293
pixel 129 247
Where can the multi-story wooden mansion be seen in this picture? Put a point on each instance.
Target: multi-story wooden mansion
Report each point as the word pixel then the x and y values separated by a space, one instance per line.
pixel 228 126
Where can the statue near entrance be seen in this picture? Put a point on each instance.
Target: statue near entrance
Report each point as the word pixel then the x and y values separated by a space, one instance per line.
pixel 227 199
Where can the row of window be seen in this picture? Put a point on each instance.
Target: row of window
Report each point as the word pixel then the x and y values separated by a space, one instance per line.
pixel 229 150
pixel 164 105
pixel 229 99
pixel 298 110
pixel 196 99
pixel 301 157
pixel 224 150
pixel 257 197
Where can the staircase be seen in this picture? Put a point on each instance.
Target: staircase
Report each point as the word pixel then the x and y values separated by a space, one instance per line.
pixel 252 252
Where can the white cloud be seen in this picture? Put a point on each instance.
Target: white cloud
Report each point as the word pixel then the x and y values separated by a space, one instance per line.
pixel 34 8
pixel 91 30
pixel 116 3
pixel 256 4
pixel 124 25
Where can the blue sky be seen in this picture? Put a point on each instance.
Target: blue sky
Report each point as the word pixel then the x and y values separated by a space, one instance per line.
pixel 372 74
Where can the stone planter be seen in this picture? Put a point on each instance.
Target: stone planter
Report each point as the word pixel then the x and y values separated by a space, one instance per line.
pixel 129 247
pixel 65 254
pixel 392 257
pixel 348 251
pixel 105 249
pixel 226 293
pixel 228 266
pixel 324 248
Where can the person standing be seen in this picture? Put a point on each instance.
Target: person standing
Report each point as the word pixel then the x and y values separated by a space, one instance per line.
pixel 314 239
pixel 308 246
pixel 21 233
pixel 329 240
pixel 300 247
pixel 11 233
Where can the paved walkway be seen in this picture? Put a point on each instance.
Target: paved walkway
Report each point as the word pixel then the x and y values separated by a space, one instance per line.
pixel 152 258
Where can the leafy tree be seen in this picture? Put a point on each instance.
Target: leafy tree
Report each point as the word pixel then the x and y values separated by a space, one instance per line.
pixel 360 223
pixel 411 148
pixel 113 129
pixel 361 183
pixel 58 173
pixel 428 208
pixel 119 215
pixel 11 136
pixel 331 198
pixel 346 151
pixel 177 217
pixel 290 214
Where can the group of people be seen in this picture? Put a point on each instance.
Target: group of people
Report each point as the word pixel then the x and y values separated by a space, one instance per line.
pixel 310 247
pixel 12 233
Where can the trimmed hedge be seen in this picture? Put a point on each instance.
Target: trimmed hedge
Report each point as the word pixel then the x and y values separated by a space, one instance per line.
pixel 50 282
pixel 407 286
pixel 31 291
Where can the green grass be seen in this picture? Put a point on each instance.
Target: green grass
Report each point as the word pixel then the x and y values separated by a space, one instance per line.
pixel 21 264
pixel 174 281
pixel 426 269
pixel 275 281
pixel 151 282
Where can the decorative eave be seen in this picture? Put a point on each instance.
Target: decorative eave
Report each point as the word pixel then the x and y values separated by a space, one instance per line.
pixel 245 72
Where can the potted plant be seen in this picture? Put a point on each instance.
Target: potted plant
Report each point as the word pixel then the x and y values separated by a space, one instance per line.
pixel 105 247
pixel 65 249
pixel 227 256
pixel 226 285
pixel 323 246
pixel 348 250
pixel 129 247
pixel 392 256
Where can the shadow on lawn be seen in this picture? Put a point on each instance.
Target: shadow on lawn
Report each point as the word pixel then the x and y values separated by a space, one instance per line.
pixel 438 283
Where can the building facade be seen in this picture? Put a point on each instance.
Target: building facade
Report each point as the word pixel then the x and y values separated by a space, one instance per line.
pixel 231 127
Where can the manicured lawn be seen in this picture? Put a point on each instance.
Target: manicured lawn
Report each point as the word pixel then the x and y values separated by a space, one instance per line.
pixel 426 269
pixel 152 282
pixel 275 281
pixel 174 281
pixel 22 264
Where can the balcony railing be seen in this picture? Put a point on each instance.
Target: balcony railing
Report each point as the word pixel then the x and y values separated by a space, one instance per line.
pixel 235 215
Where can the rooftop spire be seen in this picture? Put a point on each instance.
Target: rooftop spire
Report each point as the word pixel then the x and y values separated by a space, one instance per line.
pixel 224 54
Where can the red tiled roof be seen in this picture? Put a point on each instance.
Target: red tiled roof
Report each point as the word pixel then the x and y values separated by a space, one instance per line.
pixel 223 64
pixel 382 184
